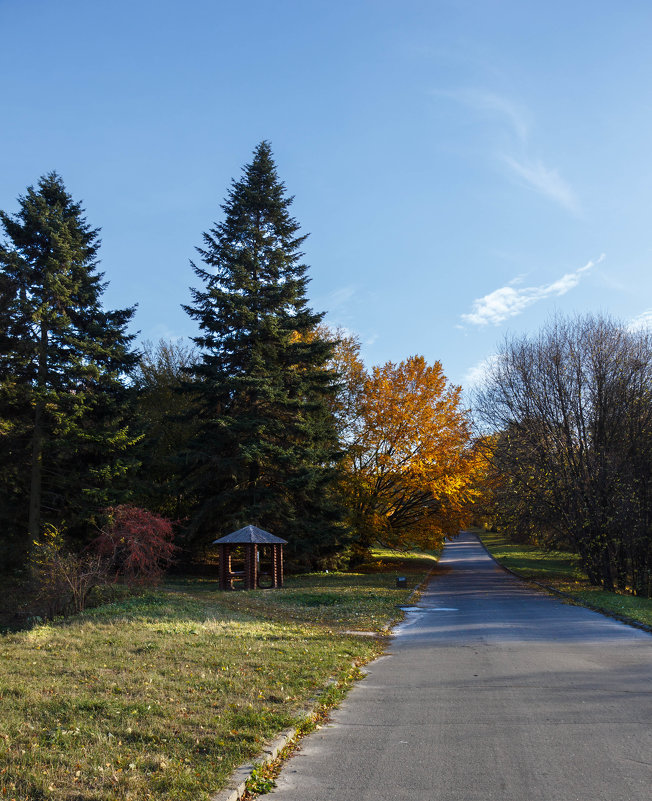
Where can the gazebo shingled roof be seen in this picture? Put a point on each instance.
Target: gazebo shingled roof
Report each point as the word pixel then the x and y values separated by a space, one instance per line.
pixel 252 538
pixel 250 534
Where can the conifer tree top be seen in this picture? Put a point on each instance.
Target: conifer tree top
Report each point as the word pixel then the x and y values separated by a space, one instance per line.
pixel 254 281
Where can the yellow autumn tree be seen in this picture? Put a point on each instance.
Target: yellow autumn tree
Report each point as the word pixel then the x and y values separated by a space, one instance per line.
pixel 410 468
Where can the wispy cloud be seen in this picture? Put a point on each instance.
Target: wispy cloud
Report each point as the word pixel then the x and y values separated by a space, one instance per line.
pixel 510 300
pixel 642 322
pixel 338 303
pixel 516 117
pixel 341 296
pixel 545 180
pixel 476 375
pixel 162 331
pixel 533 173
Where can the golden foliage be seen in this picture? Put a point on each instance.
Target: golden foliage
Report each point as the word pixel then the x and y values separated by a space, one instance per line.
pixel 410 469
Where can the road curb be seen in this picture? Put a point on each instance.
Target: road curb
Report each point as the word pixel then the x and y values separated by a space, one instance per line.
pixel 629 621
pixel 237 783
pixel 238 780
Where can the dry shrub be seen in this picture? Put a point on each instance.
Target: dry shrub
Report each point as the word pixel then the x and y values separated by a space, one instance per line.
pixel 64 580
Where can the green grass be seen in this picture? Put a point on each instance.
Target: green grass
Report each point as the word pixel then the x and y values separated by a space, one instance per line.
pixel 627 606
pixel 532 562
pixel 161 696
pixel 561 570
pixel 364 601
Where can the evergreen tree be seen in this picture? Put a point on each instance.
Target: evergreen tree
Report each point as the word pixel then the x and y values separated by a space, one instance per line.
pixel 164 414
pixel 267 448
pixel 62 365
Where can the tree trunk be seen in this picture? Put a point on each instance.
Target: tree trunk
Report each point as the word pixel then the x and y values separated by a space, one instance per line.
pixel 34 523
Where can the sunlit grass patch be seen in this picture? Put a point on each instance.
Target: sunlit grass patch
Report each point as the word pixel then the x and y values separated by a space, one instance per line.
pixel 161 696
pixel 627 605
pixel 340 600
pixel 390 560
pixel 138 708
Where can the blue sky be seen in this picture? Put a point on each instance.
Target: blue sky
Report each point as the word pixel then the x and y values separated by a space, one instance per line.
pixel 464 169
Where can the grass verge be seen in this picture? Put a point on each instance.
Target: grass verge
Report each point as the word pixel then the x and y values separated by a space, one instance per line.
pixel 561 571
pixel 163 695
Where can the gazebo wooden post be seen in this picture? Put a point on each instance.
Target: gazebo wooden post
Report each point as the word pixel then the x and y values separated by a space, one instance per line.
pixel 226 582
pixel 251 566
pixel 277 565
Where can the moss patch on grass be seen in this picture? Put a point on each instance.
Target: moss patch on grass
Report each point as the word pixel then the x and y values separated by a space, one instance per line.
pixel 561 571
pixel 162 696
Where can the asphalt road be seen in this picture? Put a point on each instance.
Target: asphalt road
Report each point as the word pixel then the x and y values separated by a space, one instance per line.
pixel 491 690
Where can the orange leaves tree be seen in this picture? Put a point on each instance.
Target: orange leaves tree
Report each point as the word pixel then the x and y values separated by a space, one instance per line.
pixel 410 470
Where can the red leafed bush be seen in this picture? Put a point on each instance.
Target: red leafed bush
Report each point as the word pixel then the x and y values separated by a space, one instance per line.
pixel 137 544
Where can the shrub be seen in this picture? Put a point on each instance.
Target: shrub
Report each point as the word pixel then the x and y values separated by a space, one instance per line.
pixel 136 543
pixel 64 580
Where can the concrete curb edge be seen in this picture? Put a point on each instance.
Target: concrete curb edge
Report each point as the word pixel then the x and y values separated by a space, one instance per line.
pixel 237 784
pixel 238 780
pixel 576 601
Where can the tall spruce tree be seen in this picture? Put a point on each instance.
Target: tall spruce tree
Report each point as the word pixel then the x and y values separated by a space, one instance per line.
pixel 63 359
pixel 267 448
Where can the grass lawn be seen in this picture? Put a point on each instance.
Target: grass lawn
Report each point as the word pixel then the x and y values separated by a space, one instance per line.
pixel 562 571
pixel 161 696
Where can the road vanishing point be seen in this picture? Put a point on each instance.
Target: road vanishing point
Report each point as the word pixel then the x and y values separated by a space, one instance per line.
pixel 490 690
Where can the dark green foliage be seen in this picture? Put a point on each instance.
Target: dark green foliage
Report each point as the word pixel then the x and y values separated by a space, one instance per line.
pixel 267 446
pixel 165 415
pixel 63 359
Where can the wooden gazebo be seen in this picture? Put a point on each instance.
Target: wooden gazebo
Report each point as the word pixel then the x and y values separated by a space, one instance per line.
pixel 251 538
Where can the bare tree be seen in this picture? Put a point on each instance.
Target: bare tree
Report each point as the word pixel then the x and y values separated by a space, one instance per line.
pixel 571 416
